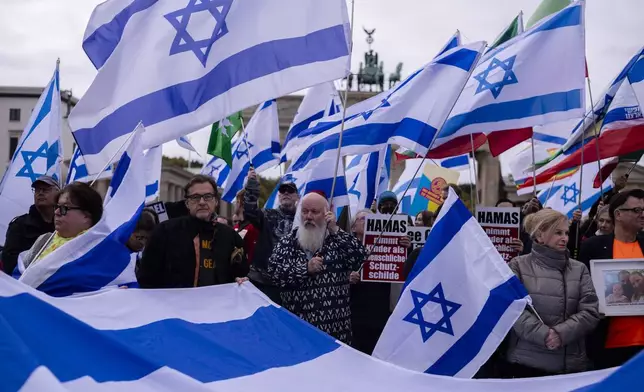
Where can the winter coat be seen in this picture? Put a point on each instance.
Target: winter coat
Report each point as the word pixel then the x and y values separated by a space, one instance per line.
pixel 21 235
pixel 564 297
pixel 321 299
pixel 272 224
pixel 171 258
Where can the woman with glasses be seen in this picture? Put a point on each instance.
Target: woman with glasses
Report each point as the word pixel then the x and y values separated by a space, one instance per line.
pixel 78 207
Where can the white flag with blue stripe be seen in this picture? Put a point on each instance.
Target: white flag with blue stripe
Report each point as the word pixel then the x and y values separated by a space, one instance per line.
pixel 533 79
pixel 566 195
pixel 218 169
pixel 315 176
pixel 458 302
pixel 636 78
pixel 320 101
pixel 263 137
pixel 78 170
pixel 38 153
pixel 180 65
pixel 153 161
pixel 98 258
pixel 409 115
pixel 367 176
pixel 216 338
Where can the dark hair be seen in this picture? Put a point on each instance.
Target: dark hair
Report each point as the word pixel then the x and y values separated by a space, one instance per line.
pixel 201 179
pixel 152 213
pixel 427 217
pixel 147 221
pixel 86 198
pixel 619 199
pixel 504 200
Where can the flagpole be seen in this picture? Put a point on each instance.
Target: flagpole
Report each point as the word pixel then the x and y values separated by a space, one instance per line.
pixel 599 164
pixel 344 114
pixel 581 182
pixel 60 180
pixel 478 57
pixel 550 190
pixel 115 154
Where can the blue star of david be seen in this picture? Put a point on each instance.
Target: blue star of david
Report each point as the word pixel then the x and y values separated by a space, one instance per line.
pixel 179 19
pixel 570 199
pixel 214 169
pixel 508 77
pixel 385 103
pixel 448 308
pixel 30 157
pixel 353 190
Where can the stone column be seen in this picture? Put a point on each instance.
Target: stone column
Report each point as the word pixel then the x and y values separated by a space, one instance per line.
pixel 489 177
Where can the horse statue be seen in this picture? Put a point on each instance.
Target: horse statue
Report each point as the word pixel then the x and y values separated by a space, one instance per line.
pixel 371 72
pixel 395 77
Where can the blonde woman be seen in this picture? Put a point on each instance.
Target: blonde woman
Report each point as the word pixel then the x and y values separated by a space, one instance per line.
pixel 552 339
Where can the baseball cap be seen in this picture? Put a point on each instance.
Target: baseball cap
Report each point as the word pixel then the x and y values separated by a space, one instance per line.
pixel 387 195
pixel 47 180
pixel 287 187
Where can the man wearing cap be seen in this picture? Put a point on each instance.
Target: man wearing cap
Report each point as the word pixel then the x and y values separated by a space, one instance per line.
pixel 272 224
pixel 24 230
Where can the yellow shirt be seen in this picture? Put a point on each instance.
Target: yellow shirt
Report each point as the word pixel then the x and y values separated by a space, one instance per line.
pixel 56 243
pixel 626 331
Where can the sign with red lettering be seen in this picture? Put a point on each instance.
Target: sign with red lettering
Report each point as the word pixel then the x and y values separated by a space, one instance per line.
pixel 386 257
pixel 502 225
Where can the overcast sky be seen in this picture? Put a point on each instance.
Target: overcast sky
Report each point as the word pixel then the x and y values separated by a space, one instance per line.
pixel 33 33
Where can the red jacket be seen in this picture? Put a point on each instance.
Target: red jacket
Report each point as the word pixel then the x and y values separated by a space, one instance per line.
pixel 249 234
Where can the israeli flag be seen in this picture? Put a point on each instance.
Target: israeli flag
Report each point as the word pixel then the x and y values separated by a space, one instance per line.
pixel 236 340
pixel 78 170
pixel 179 66
pixel 217 169
pixel 565 196
pixel 319 102
pixel 636 78
pixel 97 258
pixel 184 142
pixel 458 302
pixel 533 79
pixel 152 161
pixel 39 153
pixel 399 116
pixel 235 179
pixel 453 42
pixel 367 176
pixel 315 176
pixel 263 137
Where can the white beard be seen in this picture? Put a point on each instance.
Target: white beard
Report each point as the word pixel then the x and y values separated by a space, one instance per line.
pixel 311 238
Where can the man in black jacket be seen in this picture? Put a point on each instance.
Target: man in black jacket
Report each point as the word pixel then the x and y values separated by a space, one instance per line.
pixel 272 224
pixel 194 250
pixel 25 229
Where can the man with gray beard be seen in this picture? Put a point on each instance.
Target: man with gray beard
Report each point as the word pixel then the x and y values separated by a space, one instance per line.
pixel 313 264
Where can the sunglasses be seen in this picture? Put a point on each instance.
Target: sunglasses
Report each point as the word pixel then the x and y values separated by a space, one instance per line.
pixel 286 190
pixel 65 209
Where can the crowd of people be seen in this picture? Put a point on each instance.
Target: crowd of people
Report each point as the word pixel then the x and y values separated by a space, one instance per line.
pixel 300 258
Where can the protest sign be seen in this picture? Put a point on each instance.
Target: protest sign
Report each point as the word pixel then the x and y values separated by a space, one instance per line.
pixel 386 257
pixel 159 208
pixel 502 225
pixel 418 236
pixel 430 187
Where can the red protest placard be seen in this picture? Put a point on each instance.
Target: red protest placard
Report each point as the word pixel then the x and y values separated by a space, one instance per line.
pixel 386 257
pixel 502 225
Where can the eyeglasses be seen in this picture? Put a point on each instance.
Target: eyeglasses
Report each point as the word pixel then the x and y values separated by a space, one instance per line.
pixel 636 210
pixel 286 190
pixel 41 190
pixel 65 209
pixel 208 197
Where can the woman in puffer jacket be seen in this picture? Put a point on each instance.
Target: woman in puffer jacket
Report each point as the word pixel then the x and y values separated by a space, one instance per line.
pixel 552 340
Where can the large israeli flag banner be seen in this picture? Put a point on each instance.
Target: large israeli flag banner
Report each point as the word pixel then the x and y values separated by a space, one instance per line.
pixel 181 65
pixel 236 340
pixel 97 258
pixel 39 153
pixel 533 79
pixel 409 115
pixel 319 102
pixel 458 303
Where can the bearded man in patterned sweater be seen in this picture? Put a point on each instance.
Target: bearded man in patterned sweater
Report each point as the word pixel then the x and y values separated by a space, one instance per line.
pixel 313 264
